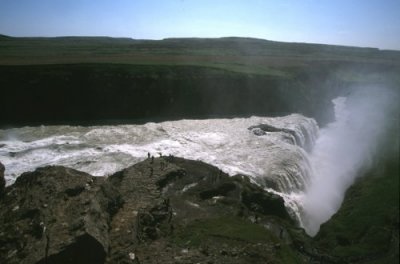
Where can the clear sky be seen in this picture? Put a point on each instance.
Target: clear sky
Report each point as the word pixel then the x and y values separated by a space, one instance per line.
pixel 371 23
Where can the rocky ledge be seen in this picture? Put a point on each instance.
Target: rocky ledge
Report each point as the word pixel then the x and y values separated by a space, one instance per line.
pixel 172 210
pixel 163 210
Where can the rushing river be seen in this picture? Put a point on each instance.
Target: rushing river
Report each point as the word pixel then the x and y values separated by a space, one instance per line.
pixel 285 155
pixel 276 157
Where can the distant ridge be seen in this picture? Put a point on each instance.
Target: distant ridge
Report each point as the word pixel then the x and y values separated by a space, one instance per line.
pixel 264 41
pixel 238 52
pixel 185 39
pixel 4 37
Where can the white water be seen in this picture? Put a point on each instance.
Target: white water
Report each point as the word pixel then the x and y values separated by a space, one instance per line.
pixel 343 149
pixel 225 143
pixel 312 184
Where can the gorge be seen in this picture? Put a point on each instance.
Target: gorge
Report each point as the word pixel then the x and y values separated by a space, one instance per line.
pixel 283 154
pixel 249 152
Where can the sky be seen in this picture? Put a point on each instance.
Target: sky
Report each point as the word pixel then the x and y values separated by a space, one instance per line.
pixel 365 23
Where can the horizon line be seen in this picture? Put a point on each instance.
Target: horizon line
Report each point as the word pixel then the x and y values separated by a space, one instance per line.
pixel 193 37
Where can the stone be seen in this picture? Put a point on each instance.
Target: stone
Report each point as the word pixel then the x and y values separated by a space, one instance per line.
pixel 60 215
pixel 57 220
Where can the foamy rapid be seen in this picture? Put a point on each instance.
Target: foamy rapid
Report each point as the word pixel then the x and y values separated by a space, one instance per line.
pixel 277 159
pixel 285 155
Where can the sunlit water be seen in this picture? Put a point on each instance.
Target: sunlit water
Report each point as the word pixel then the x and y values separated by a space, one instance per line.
pixel 343 149
pixel 310 172
pixel 276 157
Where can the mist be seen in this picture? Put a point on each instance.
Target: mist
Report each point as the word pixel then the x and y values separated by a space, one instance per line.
pixel 344 149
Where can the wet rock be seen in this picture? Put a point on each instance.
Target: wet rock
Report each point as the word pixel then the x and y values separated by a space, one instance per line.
pixel 220 190
pixel 262 129
pixel 264 203
pixel 257 131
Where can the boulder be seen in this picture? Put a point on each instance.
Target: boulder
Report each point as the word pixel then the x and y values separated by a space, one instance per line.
pixel 56 215
pixel 289 136
pixel 151 212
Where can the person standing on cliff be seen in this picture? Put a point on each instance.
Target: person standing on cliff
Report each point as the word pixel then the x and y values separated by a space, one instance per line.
pixel 2 180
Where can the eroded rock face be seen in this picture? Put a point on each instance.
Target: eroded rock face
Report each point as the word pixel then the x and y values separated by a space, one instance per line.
pixel 146 213
pixel 143 209
pixel 56 215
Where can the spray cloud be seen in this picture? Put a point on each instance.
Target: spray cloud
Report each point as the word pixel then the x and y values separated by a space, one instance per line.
pixel 343 149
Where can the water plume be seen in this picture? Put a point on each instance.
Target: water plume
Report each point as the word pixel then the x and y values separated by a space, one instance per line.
pixel 344 148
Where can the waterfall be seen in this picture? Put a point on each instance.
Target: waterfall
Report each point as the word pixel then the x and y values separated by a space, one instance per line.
pixel 290 156
pixel 272 151
pixel 343 149
pixel 275 158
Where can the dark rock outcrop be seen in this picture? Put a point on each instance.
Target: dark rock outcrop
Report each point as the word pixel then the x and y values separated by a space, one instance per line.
pixel 56 215
pixel 262 129
pixel 167 210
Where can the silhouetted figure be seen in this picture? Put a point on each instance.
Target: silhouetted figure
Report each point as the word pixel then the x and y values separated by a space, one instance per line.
pixel 170 158
pixel 2 179
pixel 166 202
pixel 219 175
pixel 170 216
pixel 152 159
pixel 148 155
pixel 256 218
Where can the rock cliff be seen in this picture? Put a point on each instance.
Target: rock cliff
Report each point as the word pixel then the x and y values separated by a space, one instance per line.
pixel 166 209
pixel 173 210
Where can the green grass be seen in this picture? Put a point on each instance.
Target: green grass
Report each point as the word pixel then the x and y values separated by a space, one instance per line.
pixel 234 232
pixel 254 56
pixel 229 228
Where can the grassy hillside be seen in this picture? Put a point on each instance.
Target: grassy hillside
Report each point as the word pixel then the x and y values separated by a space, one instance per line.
pixel 102 80
pixel 221 52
